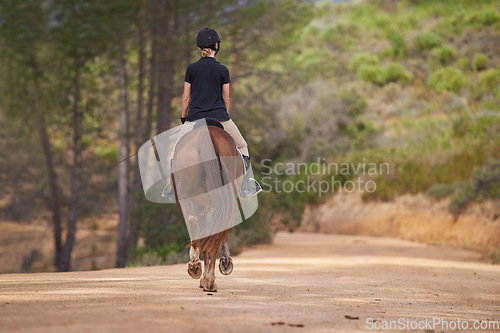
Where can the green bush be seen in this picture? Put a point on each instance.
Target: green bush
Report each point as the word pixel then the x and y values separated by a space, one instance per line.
pixel 462 63
pixel 489 80
pixel 427 41
pixel 476 20
pixel 440 191
pixel 479 62
pixel 381 75
pixel 447 79
pixel 495 257
pixel 484 17
pixel 442 55
pixel 398 46
pixel 146 259
pixel 461 198
pixel 372 73
pixel 360 59
pixel 397 73
pixel 484 184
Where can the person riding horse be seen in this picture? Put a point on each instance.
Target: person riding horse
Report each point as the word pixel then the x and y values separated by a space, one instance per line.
pixel 210 163
pixel 206 95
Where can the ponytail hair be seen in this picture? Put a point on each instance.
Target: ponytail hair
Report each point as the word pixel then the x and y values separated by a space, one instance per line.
pixel 206 52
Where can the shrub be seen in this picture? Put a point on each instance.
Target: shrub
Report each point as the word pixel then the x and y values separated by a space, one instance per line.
pixel 484 184
pixel 479 62
pixel 440 191
pixel 372 73
pixel 483 17
pixel 381 75
pixel 462 63
pixel 447 79
pixel 395 72
pixel 360 59
pixel 476 20
pixel 489 80
pixel 442 55
pixel 427 41
pixel 461 198
pixel 495 257
pixel 398 46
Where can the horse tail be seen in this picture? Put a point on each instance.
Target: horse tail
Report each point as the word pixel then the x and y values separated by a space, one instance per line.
pixel 217 174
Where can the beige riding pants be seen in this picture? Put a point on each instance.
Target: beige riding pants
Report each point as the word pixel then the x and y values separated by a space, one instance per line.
pixel 229 126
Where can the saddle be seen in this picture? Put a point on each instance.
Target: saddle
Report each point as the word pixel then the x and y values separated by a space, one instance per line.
pixel 209 122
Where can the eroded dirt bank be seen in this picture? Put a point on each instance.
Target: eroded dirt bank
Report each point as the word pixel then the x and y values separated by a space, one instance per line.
pixel 412 217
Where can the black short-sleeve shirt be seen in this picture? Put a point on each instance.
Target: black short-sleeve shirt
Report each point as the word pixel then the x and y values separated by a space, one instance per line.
pixel 207 76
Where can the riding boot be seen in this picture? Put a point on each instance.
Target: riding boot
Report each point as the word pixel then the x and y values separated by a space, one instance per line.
pixel 250 186
pixel 168 190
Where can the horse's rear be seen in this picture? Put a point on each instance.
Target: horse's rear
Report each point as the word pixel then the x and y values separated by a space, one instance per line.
pixel 207 185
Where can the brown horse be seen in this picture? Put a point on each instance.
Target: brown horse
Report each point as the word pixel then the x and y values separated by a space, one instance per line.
pixel 199 180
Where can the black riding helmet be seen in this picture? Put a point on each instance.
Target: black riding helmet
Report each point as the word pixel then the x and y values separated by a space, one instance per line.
pixel 207 38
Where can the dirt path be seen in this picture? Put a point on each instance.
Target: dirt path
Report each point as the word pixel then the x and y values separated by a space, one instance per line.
pixel 301 283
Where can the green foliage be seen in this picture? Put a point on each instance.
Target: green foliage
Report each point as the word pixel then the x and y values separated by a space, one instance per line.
pixel 495 257
pixel 372 73
pixel 483 17
pixel 425 163
pixel 462 63
pixel 443 55
pixel 439 191
pixel 489 80
pixel 479 62
pixel 399 50
pixel 341 34
pixel 397 73
pixel 476 19
pixel 447 79
pixel 381 75
pixel 427 41
pixel 253 231
pixel 361 59
pixel 484 184
pixel 108 153
pixel 160 224
pixel 163 255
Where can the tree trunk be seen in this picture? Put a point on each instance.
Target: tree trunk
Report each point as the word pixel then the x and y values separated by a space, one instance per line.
pixel 139 133
pixel 123 168
pixel 65 262
pixel 165 69
pixel 152 93
pixel 54 189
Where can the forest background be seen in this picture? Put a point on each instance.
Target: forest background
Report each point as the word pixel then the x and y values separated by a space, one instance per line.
pixel 84 83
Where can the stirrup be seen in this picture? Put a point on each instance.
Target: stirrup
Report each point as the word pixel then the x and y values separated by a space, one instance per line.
pixel 247 192
pixel 168 192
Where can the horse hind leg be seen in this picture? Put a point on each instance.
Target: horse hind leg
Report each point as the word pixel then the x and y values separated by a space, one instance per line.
pixel 225 261
pixel 207 282
pixel 194 265
pixel 205 265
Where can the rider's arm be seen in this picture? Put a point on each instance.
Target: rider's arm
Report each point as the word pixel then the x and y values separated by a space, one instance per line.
pixel 186 98
pixel 227 99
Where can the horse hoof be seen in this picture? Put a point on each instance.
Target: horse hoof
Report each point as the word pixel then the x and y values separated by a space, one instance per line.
pixel 212 289
pixel 225 265
pixel 194 269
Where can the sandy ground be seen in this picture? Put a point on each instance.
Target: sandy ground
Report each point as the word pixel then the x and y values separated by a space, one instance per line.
pixel 301 283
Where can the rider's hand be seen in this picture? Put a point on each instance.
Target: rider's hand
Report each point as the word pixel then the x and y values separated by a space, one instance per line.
pixel 183 120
